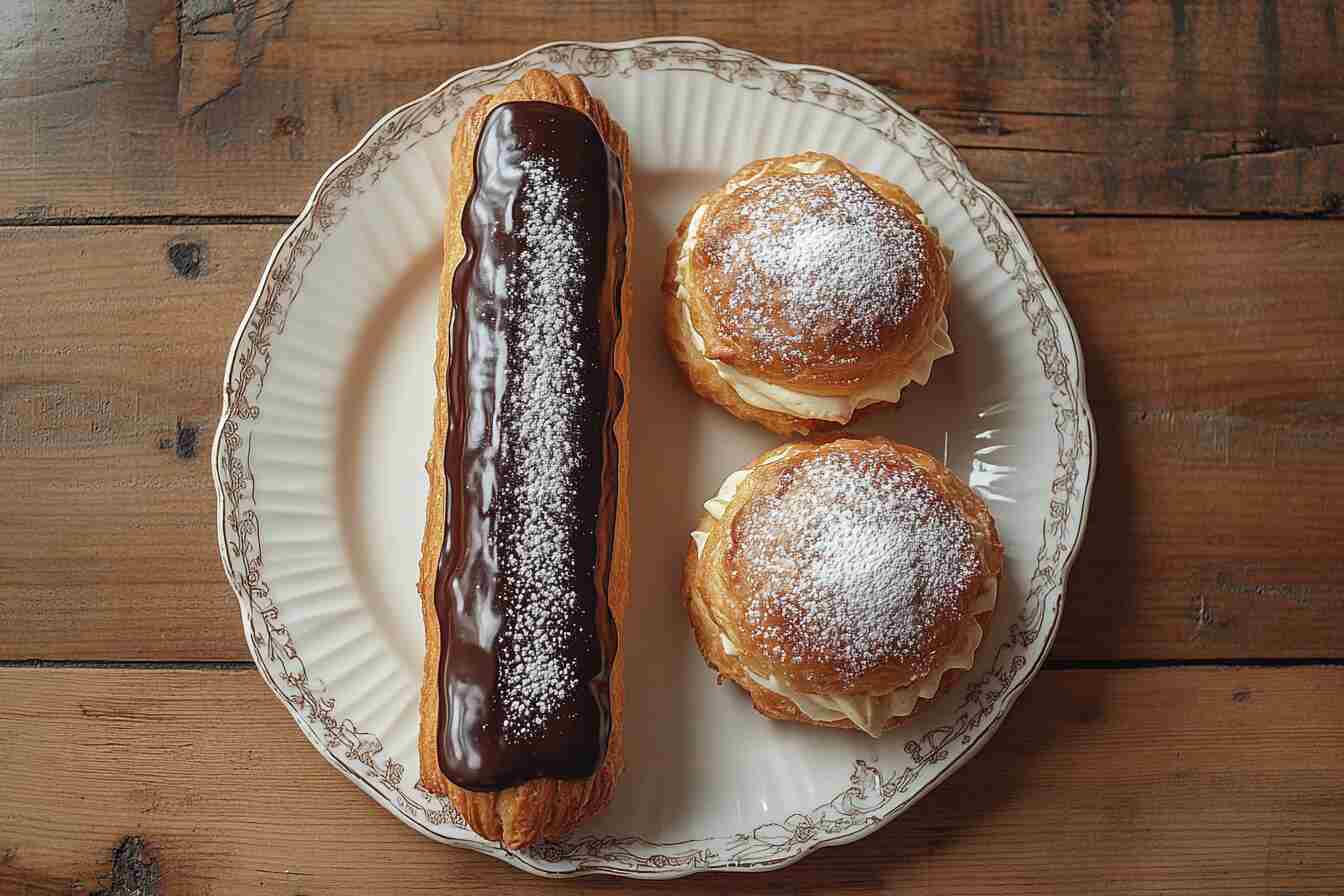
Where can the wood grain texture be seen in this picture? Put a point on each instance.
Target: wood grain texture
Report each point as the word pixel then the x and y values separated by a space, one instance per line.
pixel 1090 784
pixel 208 107
pixel 1215 364
pixel 1215 369
pixel 111 360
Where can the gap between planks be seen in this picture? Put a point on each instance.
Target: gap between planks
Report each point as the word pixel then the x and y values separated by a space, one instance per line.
pixel 1051 665
pixel 253 220
pixel 144 220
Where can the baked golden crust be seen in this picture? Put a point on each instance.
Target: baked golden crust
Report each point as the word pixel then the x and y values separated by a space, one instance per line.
pixel 825 363
pixel 719 595
pixel 545 807
pixel 704 379
pixel 763 700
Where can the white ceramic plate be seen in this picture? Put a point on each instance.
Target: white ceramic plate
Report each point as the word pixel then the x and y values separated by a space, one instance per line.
pixel 328 396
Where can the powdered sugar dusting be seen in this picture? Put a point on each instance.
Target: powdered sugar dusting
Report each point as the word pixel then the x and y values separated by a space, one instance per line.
pixel 545 403
pixel 818 258
pixel 852 561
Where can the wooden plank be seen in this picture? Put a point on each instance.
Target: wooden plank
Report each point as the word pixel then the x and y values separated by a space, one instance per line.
pixel 111 360
pixel 208 107
pixel 1213 780
pixel 1214 367
pixel 1214 364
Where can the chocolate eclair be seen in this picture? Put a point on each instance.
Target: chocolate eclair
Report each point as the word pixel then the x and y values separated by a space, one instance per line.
pixel 524 564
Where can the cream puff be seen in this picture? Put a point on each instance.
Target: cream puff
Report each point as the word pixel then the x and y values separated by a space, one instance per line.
pixel 844 583
pixel 803 290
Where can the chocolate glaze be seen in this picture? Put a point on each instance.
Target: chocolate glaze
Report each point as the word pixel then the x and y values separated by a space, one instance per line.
pixel 473 598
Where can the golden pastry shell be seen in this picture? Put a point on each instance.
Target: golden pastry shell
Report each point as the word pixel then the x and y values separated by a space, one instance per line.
pixel 718 603
pixel 823 373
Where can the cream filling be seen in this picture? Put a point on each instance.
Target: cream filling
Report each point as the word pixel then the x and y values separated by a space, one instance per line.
pixel 770 397
pixel 718 505
pixel 869 712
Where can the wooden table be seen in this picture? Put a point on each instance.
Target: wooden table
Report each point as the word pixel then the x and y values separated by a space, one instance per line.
pixel 1181 171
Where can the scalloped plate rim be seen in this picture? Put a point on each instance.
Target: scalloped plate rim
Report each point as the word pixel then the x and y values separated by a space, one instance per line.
pixel 1086 423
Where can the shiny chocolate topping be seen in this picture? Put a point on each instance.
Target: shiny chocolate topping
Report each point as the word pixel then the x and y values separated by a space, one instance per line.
pixel 530 459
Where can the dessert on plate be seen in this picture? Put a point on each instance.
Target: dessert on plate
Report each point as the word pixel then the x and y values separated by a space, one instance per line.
pixel 804 290
pixel 842 583
pixel 524 565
